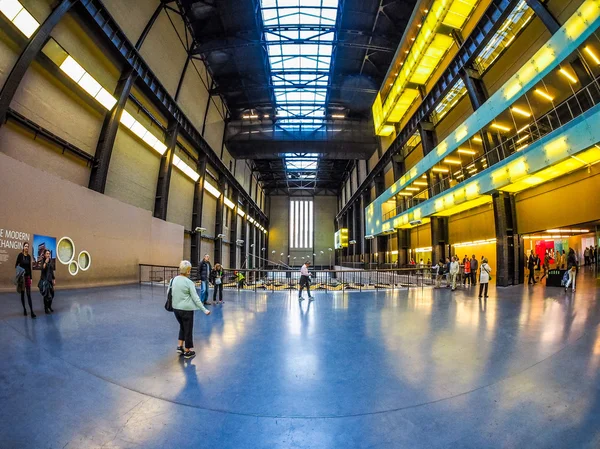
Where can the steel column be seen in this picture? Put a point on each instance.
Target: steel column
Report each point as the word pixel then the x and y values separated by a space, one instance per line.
pixel 233 234
pixel 197 211
pixel 544 15
pixel 428 137
pixel 439 238
pixel 219 223
pixel 110 126
pixel 509 248
pixel 28 55
pixel 161 199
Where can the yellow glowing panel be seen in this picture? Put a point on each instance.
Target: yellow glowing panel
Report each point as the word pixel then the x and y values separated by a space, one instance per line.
pixel 467 205
pixel 442 148
pixel 517 169
pixel 459 12
pixel 417 214
pixel 542 59
pixel 472 189
pixel 557 148
pixel 461 133
pixel 590 156
pixel 439 204
pixel 377 113
pixel 500 175
pixel 386 130
pixel 512 88
pixel 545 175
pixel 404 102
pixel 431 58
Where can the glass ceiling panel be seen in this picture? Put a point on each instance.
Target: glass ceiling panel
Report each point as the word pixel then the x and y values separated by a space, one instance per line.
pixel 300 35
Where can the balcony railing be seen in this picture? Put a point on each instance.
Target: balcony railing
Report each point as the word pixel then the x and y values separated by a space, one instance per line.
pixel 560 115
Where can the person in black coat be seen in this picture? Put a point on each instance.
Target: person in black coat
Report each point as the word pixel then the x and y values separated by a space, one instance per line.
pixel 204 271
pixel 25 261
pixel 531 267
pixel 48 280
pixel 216 279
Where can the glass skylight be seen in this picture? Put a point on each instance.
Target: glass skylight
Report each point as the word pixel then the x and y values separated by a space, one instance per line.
pixel 300 36
pixel 301 161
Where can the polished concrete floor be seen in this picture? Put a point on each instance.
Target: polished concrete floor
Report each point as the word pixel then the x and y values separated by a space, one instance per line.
pixel 406 369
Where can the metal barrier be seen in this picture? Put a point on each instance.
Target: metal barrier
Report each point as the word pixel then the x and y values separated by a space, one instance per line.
pixel 289 280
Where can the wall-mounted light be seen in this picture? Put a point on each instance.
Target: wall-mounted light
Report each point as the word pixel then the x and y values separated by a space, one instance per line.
pixel 588 50
pixel 185 168
pixel 19 16
pixel 228 203
pixel 240 212
pixel 500 127
pixel 220 236
pixel 211 189
pixel 543 94
pixel 520 112
pixel 568 76
pixel 200 230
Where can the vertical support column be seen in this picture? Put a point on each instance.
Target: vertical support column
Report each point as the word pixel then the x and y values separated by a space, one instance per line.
pixel 161 200
pixel 361 228
pixel 428 137
pixel 403 246
pixel 382 240
pixel 233 234
pixel 219 222
pixel 439 238
pixel 28 55
pixel 110 126
pixel 243 259
pixel 509 247
pixel 197 210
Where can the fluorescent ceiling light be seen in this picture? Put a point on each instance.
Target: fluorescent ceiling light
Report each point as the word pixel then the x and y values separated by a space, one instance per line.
pixel 543 94
pixel 405 194
pixel 419 183
pixel 413 189
pixel 523 129
pixel 240 212
pixel 10 8
pixel 591 54
pixel 451 161
pixel 500 127
pixel 211 189
pixel 567 75
pixel 522 139
pixel 440 170
pixel 249 116
pixel 127 120
pixel 477 139
pixel 520 111
pixel 338 116
pixel 469 152
pixel 228 203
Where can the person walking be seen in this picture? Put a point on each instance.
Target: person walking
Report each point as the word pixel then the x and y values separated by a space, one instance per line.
pixel 474 266
pixel 216 279
pixel 484 278
pixel 467 269
pixel 25 261
pixel 586 256
pixel 531 268
pixel 440 274
pixel 571 269
pixel 48 281
pixel 304 281
pixel 185 301
pixel 454 269
pixel 204 271
pixel 447 272
pixel 546 265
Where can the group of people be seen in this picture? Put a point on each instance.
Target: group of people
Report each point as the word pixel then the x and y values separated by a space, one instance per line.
pixel 590 255
pixel 562 261
pixel 453 267
pixel 24 276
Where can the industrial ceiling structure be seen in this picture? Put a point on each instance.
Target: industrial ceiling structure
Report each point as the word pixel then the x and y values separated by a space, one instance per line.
pixel 299 78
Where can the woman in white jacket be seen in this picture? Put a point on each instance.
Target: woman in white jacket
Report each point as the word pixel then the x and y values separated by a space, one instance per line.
pixel 484 277
pixel 454 270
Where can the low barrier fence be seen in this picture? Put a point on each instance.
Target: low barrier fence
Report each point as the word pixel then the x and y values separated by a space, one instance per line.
pixel 289 280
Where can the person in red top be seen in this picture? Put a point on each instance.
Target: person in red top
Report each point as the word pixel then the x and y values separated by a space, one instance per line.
pixel 467 266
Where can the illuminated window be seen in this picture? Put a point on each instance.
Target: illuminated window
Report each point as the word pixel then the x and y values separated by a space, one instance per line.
pixel 301 224
pixel 515 22
pixel 449 101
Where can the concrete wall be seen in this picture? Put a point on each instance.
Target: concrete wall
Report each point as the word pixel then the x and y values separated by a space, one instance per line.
pixel 117 236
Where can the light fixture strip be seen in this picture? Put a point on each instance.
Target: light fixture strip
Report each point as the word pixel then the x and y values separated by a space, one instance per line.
pixel 211 189
pixel 16 13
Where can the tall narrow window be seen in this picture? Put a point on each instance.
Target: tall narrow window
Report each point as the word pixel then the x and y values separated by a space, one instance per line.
pixel 301 223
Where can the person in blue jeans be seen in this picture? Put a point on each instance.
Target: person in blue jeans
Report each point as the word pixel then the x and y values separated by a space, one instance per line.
pixel 204 271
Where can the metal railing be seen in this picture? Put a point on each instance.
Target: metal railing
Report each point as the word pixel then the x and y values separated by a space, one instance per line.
pixel 289 280
pixel 557 117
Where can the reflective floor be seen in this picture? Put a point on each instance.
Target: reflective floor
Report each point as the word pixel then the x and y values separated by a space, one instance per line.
pixel 405 369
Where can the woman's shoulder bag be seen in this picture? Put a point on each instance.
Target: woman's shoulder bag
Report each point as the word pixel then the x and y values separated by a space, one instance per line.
pixel 169 303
